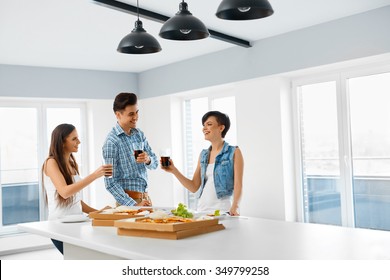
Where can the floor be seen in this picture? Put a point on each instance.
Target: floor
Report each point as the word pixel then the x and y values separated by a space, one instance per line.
pixel 47 254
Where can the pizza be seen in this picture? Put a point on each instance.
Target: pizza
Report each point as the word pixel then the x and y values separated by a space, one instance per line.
pixel 168 220
pixel 126 210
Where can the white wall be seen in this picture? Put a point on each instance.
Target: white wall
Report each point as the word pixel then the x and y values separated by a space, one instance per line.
pixel 157 120
pixel 45 82
pixel 101 119
pixel 261 138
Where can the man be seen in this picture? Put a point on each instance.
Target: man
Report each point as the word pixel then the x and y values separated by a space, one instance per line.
pixel 129 183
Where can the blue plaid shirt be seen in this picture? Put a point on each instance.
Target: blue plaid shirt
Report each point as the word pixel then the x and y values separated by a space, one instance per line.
pixel 128 174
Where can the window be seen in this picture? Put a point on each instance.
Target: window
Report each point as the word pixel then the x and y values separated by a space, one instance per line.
pixel 25 138
pixel 320 153
pixel 344 144
pixel 370 144
pixel 194 141
pixel 19 165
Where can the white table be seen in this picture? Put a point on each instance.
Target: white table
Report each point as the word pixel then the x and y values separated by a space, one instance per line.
pixel 243 238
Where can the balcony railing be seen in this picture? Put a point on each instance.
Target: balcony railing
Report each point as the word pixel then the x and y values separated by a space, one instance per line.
pixel 371 201
pixel 20 203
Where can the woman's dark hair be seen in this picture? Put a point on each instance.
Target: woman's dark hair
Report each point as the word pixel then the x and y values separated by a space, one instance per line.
pixel 123 99
pixel 222 119
pixel 56 152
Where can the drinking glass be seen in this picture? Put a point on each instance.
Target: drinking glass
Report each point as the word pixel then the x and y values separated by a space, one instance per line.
pixel 138 148
pixel 165 155
pixel 109 169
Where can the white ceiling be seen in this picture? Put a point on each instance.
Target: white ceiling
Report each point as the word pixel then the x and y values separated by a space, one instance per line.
pixel 83 35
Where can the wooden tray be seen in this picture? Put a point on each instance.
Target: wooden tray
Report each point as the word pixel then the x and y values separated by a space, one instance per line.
pixel 176 230
pixel 164 227
pixel 103 223
pixel 170 234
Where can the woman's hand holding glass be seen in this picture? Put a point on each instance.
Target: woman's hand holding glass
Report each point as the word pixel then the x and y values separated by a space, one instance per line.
pixel 104 170
pixel 108 167
pixel 168 168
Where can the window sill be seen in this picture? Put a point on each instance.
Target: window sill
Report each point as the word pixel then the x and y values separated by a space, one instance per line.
pixel 23 243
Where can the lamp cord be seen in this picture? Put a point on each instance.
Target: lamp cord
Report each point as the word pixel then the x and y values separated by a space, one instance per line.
pixel 137 10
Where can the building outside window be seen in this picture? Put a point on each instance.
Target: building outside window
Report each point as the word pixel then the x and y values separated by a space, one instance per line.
pixel 25 137
pixel 344 149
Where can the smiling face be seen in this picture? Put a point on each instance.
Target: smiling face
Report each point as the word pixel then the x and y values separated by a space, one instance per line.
pixel 128 117
pixel 72 142
pixel 212 130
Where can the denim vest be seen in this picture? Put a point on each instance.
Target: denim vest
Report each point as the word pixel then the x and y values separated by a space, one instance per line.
pixel 223 170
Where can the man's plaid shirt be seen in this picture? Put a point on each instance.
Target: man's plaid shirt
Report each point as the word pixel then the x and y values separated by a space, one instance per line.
pixel 128 174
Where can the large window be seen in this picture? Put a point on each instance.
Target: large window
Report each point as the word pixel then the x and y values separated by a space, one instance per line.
pixel 194 140
pixel 19 165
pixel 369 99
pixel 25 136
pixel 344 144
pixel 320 153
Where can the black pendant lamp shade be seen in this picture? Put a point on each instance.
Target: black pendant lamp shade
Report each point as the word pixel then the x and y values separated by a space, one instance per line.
pixel 183 26
pixel 138 42
pixel 244 9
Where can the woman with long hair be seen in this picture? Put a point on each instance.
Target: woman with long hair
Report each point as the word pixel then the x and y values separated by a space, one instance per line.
pixel 61 179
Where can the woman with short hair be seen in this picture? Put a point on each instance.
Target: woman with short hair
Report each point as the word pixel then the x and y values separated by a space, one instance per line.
pixel 219 172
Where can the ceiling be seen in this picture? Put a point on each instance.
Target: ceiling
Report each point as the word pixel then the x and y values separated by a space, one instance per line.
pixel 80 34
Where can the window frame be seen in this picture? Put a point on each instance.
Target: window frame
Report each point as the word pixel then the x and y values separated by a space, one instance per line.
pixel 340 76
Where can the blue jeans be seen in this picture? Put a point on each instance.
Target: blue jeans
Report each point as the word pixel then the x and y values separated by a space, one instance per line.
pixel 59 245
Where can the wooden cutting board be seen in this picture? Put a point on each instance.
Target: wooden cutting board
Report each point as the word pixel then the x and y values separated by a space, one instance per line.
pixel 170 234
pixel 133 224
pixel 103 223
pixel 176 230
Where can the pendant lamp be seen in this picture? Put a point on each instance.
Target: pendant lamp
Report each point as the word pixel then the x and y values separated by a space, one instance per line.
pixel 138 41
pixel 183 26
pixel 244 9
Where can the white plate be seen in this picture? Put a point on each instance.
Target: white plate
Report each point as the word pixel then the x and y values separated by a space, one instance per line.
pixel 223 215
pixel 74 219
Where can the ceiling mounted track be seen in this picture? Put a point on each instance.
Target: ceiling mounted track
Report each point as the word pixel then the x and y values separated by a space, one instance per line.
pixel 127 8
